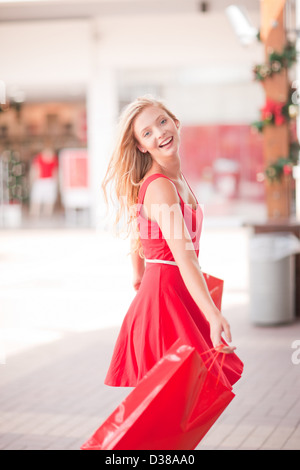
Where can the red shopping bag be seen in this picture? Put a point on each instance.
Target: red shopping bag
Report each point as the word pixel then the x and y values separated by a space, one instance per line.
pixel 215 287
pixel 172 407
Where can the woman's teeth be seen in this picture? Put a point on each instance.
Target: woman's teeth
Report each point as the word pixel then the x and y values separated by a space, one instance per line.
pixel 167 142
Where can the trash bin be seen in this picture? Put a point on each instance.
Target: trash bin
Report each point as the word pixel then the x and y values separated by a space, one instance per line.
pixel 272 277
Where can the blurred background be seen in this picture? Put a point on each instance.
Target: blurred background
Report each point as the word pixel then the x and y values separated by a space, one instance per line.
pixel 69 67
pixel 230 73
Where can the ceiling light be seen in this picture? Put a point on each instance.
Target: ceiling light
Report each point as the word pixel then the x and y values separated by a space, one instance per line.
pixel 241 24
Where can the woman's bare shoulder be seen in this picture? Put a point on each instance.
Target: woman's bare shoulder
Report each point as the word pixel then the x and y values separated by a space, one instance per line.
pixel 161 190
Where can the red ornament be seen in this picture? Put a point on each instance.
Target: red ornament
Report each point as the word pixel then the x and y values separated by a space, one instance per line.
pixel 287 169
pixel 273 108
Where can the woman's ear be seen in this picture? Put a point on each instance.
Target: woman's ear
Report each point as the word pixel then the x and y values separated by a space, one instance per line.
pixel 177 123
pixel 141 149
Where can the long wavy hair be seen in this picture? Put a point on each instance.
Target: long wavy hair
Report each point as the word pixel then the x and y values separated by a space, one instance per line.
pixel 128 166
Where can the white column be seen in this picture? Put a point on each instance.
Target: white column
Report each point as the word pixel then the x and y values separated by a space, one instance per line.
pixel 102 111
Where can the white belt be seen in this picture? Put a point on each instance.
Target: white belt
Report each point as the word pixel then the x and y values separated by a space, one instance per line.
pixel 163 261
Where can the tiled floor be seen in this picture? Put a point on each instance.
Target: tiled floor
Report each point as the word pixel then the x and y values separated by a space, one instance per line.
pixel 63 295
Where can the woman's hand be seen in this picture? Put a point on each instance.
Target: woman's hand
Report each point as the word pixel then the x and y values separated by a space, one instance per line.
pixel 138 265
pixel 219 325
pixel 137 279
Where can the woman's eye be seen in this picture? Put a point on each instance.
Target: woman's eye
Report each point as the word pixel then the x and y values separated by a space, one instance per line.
pixel 163 121
pixel 147 134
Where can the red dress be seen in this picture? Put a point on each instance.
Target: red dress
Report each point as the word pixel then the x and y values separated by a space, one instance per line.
pixel 163 309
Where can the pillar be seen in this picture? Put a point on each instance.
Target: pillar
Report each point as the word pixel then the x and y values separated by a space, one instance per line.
pixel 276 138
pixel 102 111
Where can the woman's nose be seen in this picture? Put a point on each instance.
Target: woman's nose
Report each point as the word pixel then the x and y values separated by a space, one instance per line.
pixel 160 133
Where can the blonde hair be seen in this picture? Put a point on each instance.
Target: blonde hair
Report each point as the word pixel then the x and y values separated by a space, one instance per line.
pixel 128 165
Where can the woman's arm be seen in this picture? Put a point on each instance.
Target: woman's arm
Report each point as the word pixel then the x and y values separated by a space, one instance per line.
pixel 171 222
pixel 138 265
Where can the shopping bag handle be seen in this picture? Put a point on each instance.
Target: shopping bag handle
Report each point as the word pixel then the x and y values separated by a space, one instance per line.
pixel 217 351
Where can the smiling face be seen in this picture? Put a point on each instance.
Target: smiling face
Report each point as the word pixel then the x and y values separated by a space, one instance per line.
pixel 156 132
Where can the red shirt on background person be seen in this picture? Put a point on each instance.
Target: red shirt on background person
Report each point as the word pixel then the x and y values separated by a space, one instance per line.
pixel 44 182
pixel 46 163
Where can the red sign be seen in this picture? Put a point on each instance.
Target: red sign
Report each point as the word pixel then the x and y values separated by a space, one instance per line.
pixel 74 166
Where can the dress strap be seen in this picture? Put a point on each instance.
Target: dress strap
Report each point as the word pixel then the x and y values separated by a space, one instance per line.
pixel 190 188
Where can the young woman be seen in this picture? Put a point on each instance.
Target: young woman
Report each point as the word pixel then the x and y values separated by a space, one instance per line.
pixel 172 298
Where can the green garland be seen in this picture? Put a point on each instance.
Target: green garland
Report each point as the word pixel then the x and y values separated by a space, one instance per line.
pixel 289 111
pixel 276 62
pixel 275 170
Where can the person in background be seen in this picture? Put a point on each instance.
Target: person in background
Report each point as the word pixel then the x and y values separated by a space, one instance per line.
pixel 43 177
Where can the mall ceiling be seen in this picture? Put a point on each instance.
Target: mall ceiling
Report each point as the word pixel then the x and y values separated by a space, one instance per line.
pixel 26 10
